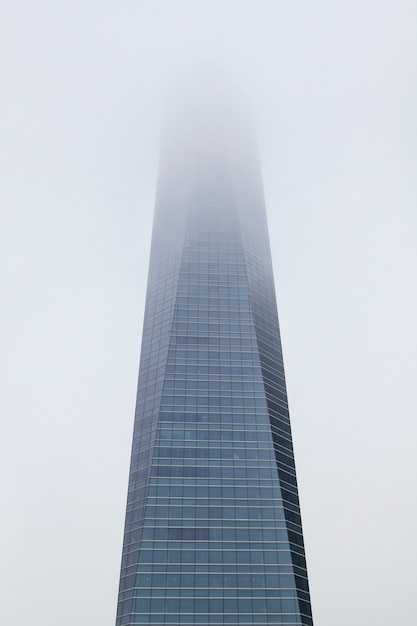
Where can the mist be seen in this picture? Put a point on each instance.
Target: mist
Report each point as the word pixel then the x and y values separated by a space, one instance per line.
pixel 86 92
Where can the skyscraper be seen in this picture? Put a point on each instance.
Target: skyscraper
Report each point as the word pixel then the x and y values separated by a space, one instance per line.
pixel 213 530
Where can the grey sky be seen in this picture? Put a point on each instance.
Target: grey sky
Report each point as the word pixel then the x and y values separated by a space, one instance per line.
pixel 85 87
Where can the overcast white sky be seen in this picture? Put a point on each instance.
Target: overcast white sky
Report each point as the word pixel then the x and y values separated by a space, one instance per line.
pixel 84 88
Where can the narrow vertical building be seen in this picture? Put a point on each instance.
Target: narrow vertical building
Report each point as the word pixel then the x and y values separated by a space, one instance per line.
pixel 213 530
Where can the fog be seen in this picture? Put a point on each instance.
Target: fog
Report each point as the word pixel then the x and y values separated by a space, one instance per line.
pixel 86 90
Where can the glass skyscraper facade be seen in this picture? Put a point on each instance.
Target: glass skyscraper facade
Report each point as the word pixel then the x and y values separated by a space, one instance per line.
pixel 213 530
